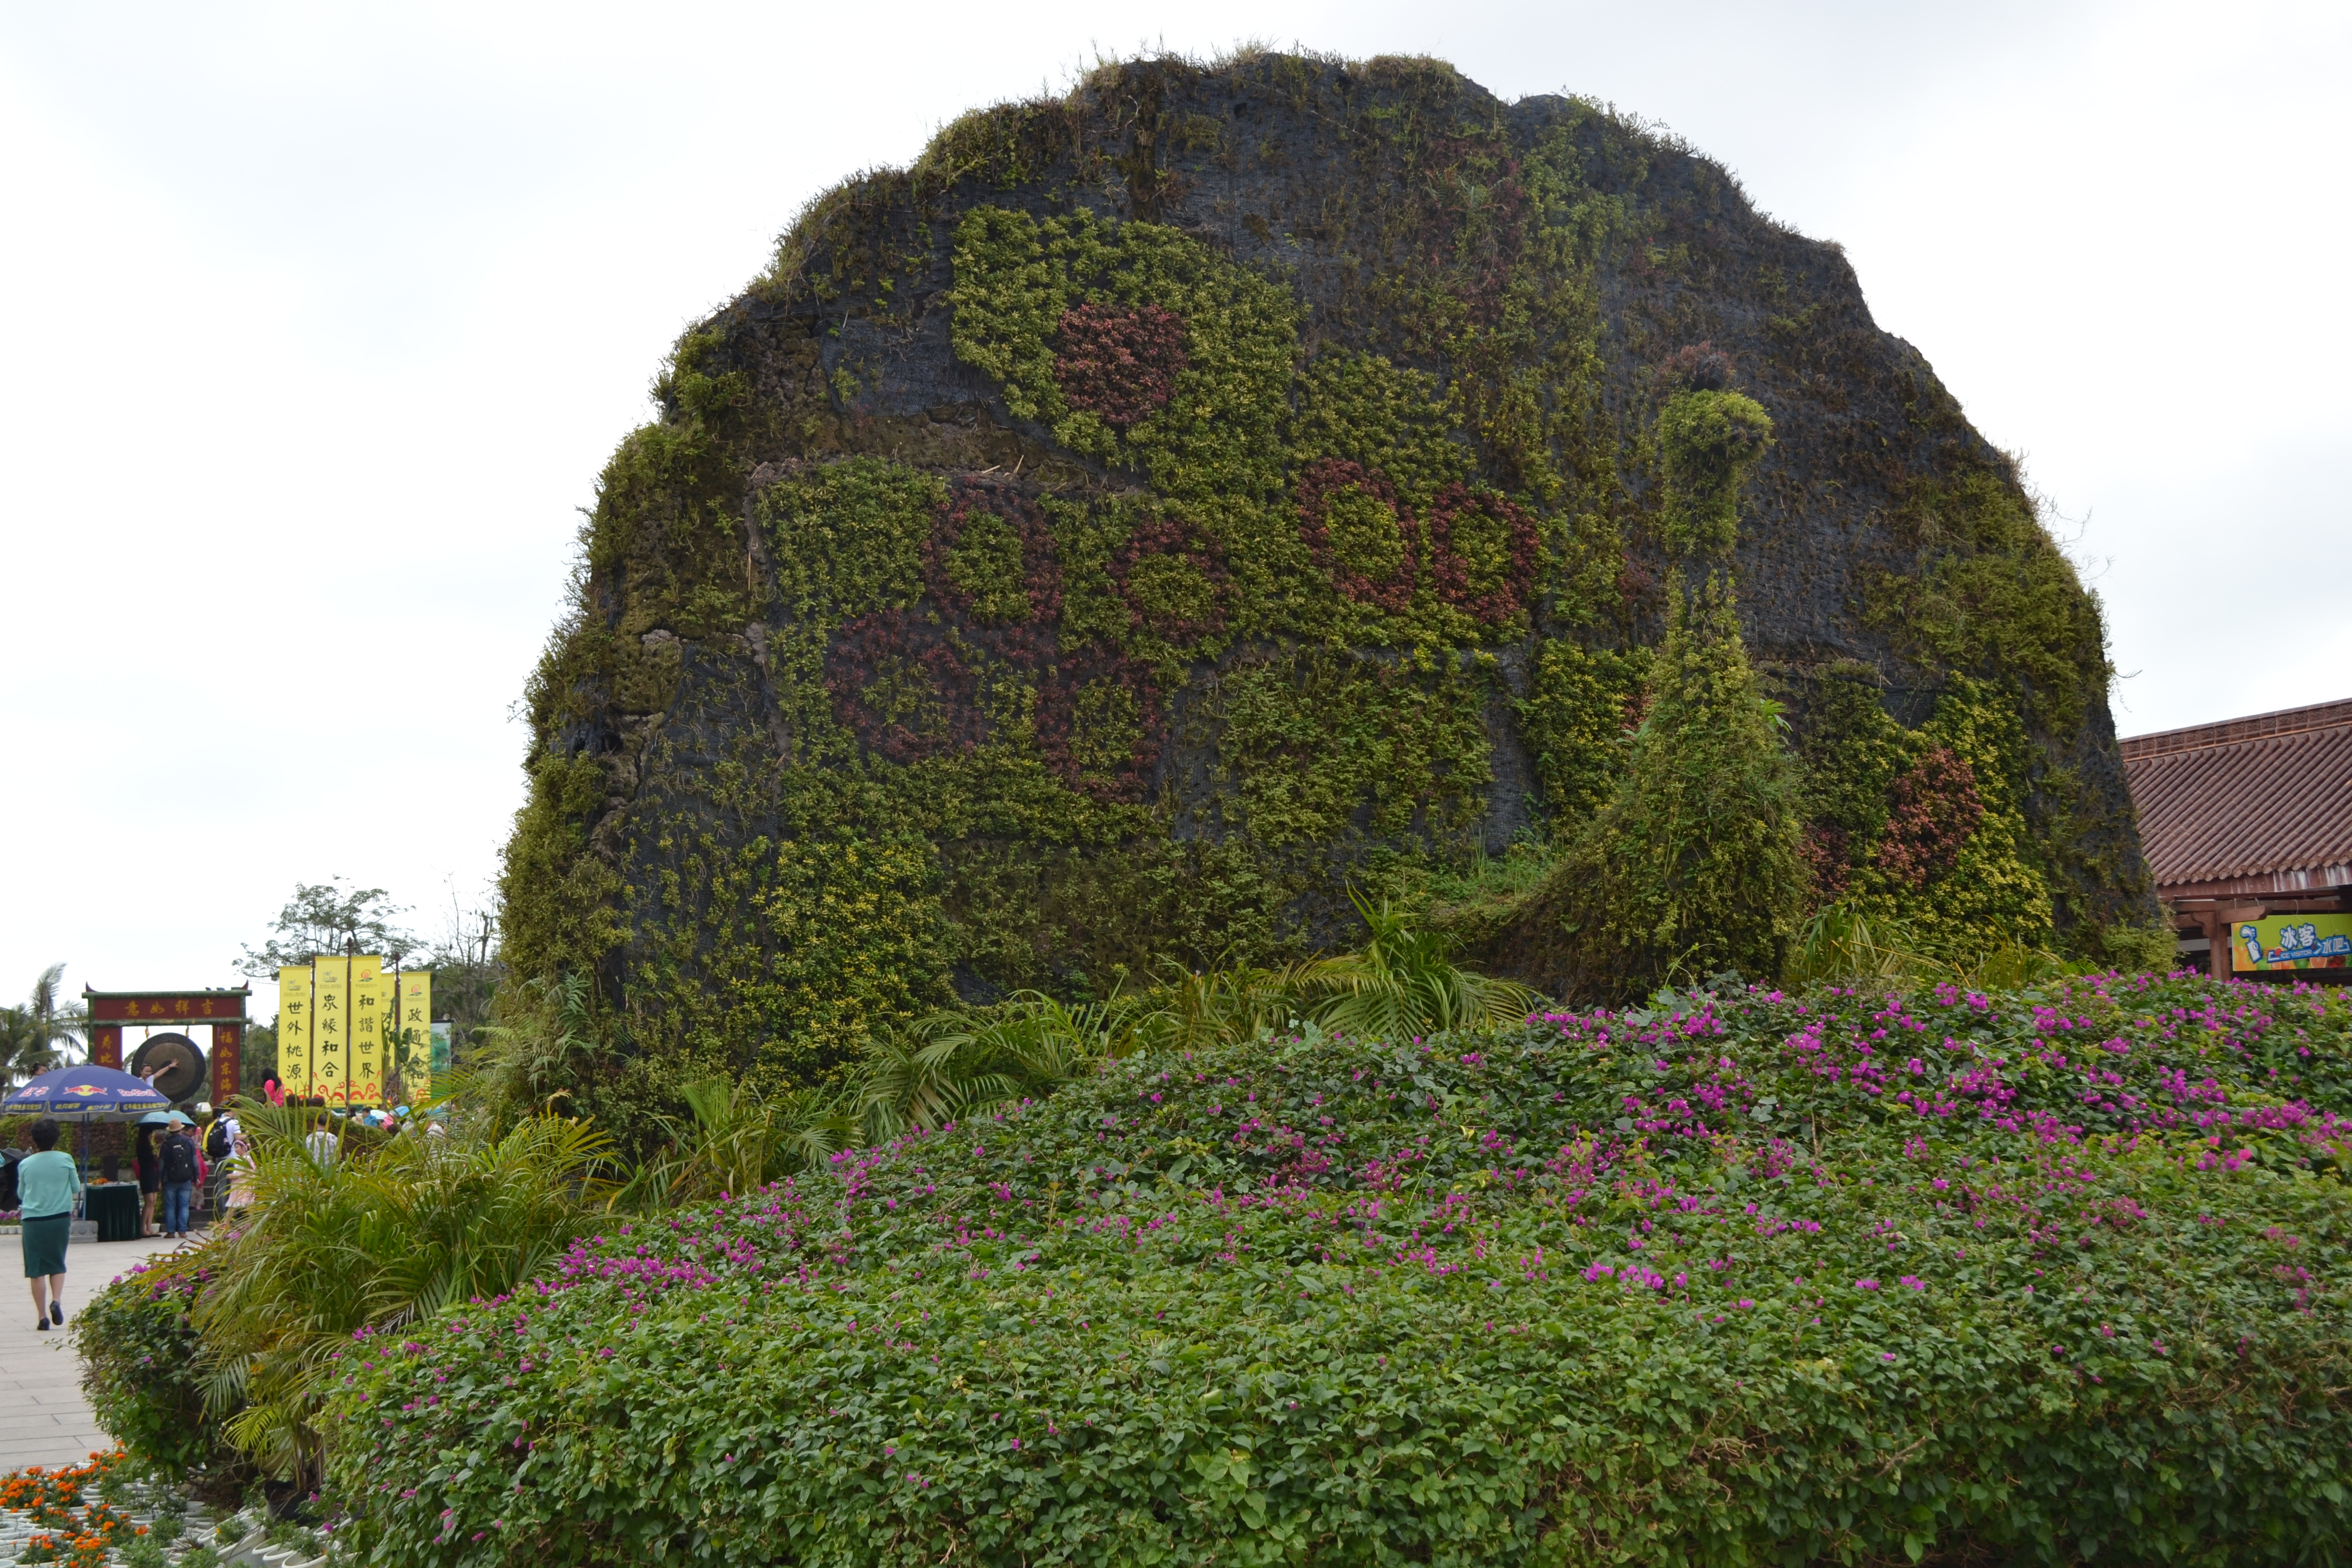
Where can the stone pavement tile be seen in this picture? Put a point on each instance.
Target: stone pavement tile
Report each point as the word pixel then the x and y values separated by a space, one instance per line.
pixel 43 1420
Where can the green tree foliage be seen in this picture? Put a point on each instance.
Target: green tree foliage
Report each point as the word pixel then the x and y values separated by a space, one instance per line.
pixel 329 918
pixel 257 1059
pixel 468 967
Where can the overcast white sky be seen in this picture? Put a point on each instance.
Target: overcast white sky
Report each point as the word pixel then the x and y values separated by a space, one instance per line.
pixel 317 323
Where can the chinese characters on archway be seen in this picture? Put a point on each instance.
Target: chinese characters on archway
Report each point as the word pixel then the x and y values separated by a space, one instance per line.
pixel 350 1032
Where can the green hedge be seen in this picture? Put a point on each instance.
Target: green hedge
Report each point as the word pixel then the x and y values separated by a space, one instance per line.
pixel 2033 1278
pixel 140 1367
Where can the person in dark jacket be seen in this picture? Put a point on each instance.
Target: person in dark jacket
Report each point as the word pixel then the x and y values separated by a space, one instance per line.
pixel 148 1160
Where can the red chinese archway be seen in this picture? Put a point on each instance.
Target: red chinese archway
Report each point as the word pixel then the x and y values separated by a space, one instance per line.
pixel 223 1010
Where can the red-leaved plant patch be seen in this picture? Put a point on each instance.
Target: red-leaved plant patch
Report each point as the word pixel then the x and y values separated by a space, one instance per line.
pixel 1332 484
pixel 1117 363
pixel 1482 551
pixel 1932 808
pixel 1702 367
pixel 1164 563
pixel 900 685
pixel 1825 853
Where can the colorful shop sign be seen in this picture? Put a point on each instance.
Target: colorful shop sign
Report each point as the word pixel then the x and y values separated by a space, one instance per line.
pixel 2293 941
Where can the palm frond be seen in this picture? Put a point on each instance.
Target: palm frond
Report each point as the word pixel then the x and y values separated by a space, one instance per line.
pixel 738 1140
pixel 1845 943
pixel 1403 982
pixel 954 1064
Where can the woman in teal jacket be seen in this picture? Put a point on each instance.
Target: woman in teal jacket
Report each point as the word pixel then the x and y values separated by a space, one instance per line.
pixel 47 1185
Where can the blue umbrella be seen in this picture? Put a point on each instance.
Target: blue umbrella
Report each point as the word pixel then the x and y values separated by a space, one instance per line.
pixel 85 1094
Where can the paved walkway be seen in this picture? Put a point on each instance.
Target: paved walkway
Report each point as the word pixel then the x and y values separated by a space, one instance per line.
pixel 43 1420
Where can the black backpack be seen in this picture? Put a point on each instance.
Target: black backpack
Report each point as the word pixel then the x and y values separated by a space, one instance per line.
pixel 216 1140
pixel 179 1159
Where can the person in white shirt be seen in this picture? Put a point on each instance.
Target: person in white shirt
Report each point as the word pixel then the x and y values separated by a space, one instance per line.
pixel 322 1146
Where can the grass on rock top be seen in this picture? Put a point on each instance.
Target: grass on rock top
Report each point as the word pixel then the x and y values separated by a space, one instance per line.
pixel 1749 1278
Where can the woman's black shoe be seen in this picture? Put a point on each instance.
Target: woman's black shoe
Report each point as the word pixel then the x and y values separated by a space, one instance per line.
pixel 57 1314
pixel 42 1324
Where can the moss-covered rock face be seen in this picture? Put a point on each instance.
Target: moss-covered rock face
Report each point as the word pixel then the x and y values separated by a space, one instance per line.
pixel 1162 505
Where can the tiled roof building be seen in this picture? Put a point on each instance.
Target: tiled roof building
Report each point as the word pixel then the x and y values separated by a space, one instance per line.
pixel 2247 820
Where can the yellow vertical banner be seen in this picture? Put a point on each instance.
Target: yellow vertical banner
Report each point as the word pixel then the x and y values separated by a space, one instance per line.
pixel 331 1031
pixel 415 1049
pixel 294 1031
pixel 370 1012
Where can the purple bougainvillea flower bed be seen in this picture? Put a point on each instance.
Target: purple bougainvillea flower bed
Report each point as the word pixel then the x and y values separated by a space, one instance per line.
pixel 1849 1276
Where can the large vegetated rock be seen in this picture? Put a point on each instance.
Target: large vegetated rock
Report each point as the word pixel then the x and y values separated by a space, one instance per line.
pixel 1162 506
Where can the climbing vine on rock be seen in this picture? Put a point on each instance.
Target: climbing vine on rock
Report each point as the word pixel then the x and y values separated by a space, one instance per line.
pixel 1580 714
pixel 1482 553
pixel 1171 579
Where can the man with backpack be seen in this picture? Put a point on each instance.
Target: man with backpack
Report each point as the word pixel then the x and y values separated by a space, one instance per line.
pixel 182 1169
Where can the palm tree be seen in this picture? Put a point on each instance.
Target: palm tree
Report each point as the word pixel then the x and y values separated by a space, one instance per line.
pixel 21 1054
pixel 55 1024
pixel 1192 1011
pixel 738 1140
pixel 31 1034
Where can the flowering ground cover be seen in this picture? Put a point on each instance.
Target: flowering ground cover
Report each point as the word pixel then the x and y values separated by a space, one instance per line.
pixel 2029 1278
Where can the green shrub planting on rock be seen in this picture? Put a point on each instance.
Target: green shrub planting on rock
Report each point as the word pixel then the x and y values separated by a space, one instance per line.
pixel 1167 506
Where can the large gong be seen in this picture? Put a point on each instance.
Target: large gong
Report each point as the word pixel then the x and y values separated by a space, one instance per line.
pixel 183 1064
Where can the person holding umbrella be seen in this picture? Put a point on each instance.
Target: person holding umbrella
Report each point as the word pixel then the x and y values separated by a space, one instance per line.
pixel 49 1184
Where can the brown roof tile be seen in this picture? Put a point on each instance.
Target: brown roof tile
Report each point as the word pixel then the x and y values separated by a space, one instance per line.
pixel 2261 804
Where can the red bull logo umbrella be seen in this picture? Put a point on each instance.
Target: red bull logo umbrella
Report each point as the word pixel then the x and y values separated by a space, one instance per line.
pixel 85 1094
